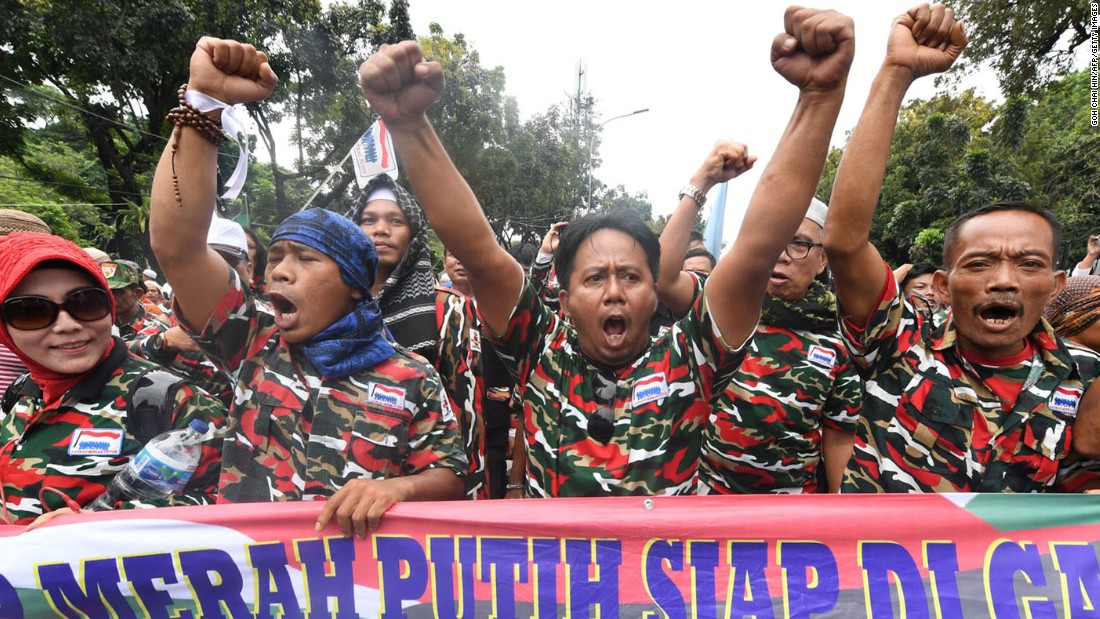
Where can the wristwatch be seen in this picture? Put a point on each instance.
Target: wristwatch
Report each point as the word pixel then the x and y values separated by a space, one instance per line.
pixel 694 193
pixel 156 348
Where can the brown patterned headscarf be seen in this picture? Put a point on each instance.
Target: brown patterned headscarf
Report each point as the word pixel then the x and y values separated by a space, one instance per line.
pixel 1076 307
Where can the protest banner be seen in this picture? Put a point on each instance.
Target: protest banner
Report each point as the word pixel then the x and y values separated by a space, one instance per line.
pixel 765 556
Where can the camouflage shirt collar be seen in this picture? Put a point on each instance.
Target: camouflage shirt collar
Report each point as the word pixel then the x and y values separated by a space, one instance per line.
pixel 92 384
pixel 1046 341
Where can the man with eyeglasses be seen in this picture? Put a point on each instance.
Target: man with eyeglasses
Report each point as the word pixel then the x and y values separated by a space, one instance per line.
pixel 607 410
pixel 132 319
pixel 793 403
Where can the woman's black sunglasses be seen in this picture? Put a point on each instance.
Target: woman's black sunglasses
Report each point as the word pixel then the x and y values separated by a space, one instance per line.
pixel 33 312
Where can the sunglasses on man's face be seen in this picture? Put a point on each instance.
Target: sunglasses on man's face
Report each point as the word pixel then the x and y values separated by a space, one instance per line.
pixel 30 312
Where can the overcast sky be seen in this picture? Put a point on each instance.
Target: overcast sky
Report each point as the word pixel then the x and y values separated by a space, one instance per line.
pixel 701 67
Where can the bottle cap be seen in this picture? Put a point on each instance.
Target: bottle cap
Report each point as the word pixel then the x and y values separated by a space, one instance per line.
pixel 198 425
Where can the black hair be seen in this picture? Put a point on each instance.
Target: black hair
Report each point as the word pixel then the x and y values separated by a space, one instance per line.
pixel 261 256
pixel 917 270
pixel 951 235
pixel 700 252
pixel 623 220
pixel 524 253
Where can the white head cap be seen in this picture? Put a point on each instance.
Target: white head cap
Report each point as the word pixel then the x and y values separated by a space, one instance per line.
pixel 817 212
pixel 227 235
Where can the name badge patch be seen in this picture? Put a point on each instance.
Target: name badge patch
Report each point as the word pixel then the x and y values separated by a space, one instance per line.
pixel 648 389
pixel 1065 400
pixel 822 356
pixel 96 442
pixel 387 396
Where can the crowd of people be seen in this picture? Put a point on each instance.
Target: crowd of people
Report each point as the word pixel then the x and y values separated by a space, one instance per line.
pixel 331 365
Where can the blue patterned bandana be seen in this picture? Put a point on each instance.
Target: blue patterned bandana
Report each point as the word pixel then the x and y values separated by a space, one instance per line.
pixel 356 342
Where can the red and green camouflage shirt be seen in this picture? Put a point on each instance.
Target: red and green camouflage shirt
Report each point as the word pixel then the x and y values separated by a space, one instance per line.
pixel 929 423
pixel 295 435
pixel 659 406
pixel 143 323
pixel 458 361
pixel 79 446
pixel 195 367
pixel 765 428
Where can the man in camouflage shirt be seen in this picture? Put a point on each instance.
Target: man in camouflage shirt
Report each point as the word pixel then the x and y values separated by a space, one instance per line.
pixel 607 410
pixel 325 406
pixel 793 402
pixel 132 318
pixel 174 348
pixel 991 400
pixel 458 359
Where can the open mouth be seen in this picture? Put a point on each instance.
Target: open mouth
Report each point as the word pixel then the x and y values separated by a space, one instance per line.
pixel 614 329
pixel 286 312
pixel 999 314
pixel 777 278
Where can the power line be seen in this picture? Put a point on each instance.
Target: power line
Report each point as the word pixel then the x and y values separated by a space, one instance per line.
pixel 26 88
pixel 57 184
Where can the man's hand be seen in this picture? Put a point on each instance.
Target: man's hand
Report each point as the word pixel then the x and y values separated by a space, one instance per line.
pixel 176 340
pixel 925 40
pixel 44 518
pixel 230 72
pixel 359 505
pixel 1093 250
pixel 553 235
pixel 726 161
pixel 816 50
pixel 399 84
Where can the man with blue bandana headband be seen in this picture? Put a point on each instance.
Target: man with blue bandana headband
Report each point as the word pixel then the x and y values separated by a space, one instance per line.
pixel 325 405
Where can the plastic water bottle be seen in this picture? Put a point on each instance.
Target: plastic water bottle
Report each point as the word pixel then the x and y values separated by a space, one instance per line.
pixel 163 467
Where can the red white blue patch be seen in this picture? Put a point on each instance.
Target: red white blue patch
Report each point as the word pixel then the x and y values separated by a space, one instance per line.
pixel 648 389
pixel 96 442
pixel 1065 399
pixel 386 396
pixel 822 356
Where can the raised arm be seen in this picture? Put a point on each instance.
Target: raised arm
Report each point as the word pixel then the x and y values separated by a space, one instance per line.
pixel 1092 252
pixel 400 86
pixel 726 161
pixel 925 40
pixel 185 184
pixel 814 53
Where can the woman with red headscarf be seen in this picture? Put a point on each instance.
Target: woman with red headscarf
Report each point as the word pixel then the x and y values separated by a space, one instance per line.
pixel 67 432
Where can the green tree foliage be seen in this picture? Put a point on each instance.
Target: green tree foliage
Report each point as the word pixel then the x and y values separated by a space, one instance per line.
pixel 117 66
pixel 1026 42
pixel 955 152
pixel 526 175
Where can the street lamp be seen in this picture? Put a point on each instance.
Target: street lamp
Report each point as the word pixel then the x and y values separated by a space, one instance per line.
pixel 592 139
